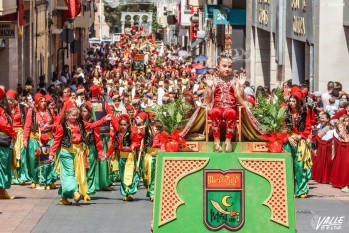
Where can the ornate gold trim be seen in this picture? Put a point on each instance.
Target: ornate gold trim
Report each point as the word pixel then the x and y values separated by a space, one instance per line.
pixel 163 217
pixel 279 213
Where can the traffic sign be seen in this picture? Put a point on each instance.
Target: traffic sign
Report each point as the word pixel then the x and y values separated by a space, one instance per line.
pixel 67 35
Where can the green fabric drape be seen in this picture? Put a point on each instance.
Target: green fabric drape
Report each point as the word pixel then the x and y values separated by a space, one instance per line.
pixel 302 173
pixel 5 168
pixel 131 189
pixel 69 184
pixel 91 171
pixel 102 168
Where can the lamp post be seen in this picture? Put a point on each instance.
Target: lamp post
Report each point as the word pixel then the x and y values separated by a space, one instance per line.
pixel 100 19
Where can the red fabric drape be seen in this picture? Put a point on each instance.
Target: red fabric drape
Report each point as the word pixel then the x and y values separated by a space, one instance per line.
pixel 340 168
pixel 323 162
pixel 20 10
pixel 74 7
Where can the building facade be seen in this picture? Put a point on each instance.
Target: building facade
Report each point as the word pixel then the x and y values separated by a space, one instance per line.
pixel 302 40
pixel 31 42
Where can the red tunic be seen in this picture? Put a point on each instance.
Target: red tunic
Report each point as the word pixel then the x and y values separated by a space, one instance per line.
pixel 340 171
pixel 75 131
pixel 224 95
pixel 5 126
pixel 323 162
pixel 45 118
pixel 156 139
pixel 17 123
pixel 307 130
pixel 135 143
pixel 99 143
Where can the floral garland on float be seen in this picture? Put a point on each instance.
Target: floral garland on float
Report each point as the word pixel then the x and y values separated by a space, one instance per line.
pixel 272 115
pixel 173 117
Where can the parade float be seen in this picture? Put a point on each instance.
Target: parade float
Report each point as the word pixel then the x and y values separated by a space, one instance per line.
pixel 248 190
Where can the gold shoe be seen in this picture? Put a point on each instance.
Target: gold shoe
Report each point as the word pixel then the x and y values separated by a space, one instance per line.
pixel 40 187
pixel 77 197
pixel 53 185
pixel 228 147
pixel 64 201
pixel 217 147
pixel 33 186
pixel 303 195
pixel 6 196
pixel 47 187
pixel 87 198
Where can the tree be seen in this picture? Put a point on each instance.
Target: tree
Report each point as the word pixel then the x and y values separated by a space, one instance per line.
pixel 113 15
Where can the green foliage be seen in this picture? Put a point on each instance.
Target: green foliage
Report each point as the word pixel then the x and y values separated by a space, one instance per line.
pixel 172 115
pixel 270 114
pixel 113 15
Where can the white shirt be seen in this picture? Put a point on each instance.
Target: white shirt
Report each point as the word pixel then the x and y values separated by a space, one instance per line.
pixel 63 79
pixel 326 99
pixel 329 135
pixel 161 94
pixel 331 109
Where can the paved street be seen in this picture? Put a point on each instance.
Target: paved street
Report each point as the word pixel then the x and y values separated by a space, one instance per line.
pixel 39 211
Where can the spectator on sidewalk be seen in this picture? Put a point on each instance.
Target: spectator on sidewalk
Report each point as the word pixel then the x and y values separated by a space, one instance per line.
pixel 342 110
pixel 327 96
pixel 331 108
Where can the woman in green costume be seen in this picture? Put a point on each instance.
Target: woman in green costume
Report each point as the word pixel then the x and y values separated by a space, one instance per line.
pixel 38 121
pixel 19 112
pixel 299 122
pixel 124 145
pixel 71 138
pixel 95 147
pixel 7 137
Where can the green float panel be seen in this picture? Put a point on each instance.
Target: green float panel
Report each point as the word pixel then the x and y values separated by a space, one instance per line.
pixel 224 192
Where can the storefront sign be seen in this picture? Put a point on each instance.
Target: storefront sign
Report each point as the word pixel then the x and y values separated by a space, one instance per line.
pixel 264 13
pixel 209 10
pixel 225 15
pixel 7 30
pixel 299 19
pixel 220 16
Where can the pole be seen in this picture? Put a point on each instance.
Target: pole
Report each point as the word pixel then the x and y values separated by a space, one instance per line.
pixel 100 19
pixel 311 68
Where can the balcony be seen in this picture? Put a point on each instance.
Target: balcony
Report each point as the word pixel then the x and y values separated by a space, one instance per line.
pixel 8 7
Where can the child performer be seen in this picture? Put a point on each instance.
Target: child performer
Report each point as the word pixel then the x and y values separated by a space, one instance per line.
pixel 150 158
pixel 45 166
pixel 70 137
pixel 95 146
pixel 124 145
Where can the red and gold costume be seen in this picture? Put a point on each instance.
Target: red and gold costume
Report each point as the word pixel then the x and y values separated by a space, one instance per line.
pixel 224 107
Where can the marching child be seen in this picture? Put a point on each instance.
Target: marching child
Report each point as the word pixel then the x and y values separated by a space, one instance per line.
pixel 45 167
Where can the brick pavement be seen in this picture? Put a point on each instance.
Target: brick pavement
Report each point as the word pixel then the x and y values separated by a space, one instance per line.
pixel 22 213
pixel 326 191
pixel 39 211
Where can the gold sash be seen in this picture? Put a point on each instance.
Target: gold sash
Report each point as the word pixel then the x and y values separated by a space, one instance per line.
pixel 114 165
pixel 80 151
pixel 129 167
pixel 151 152
pixel 303 153
pixel 19 143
